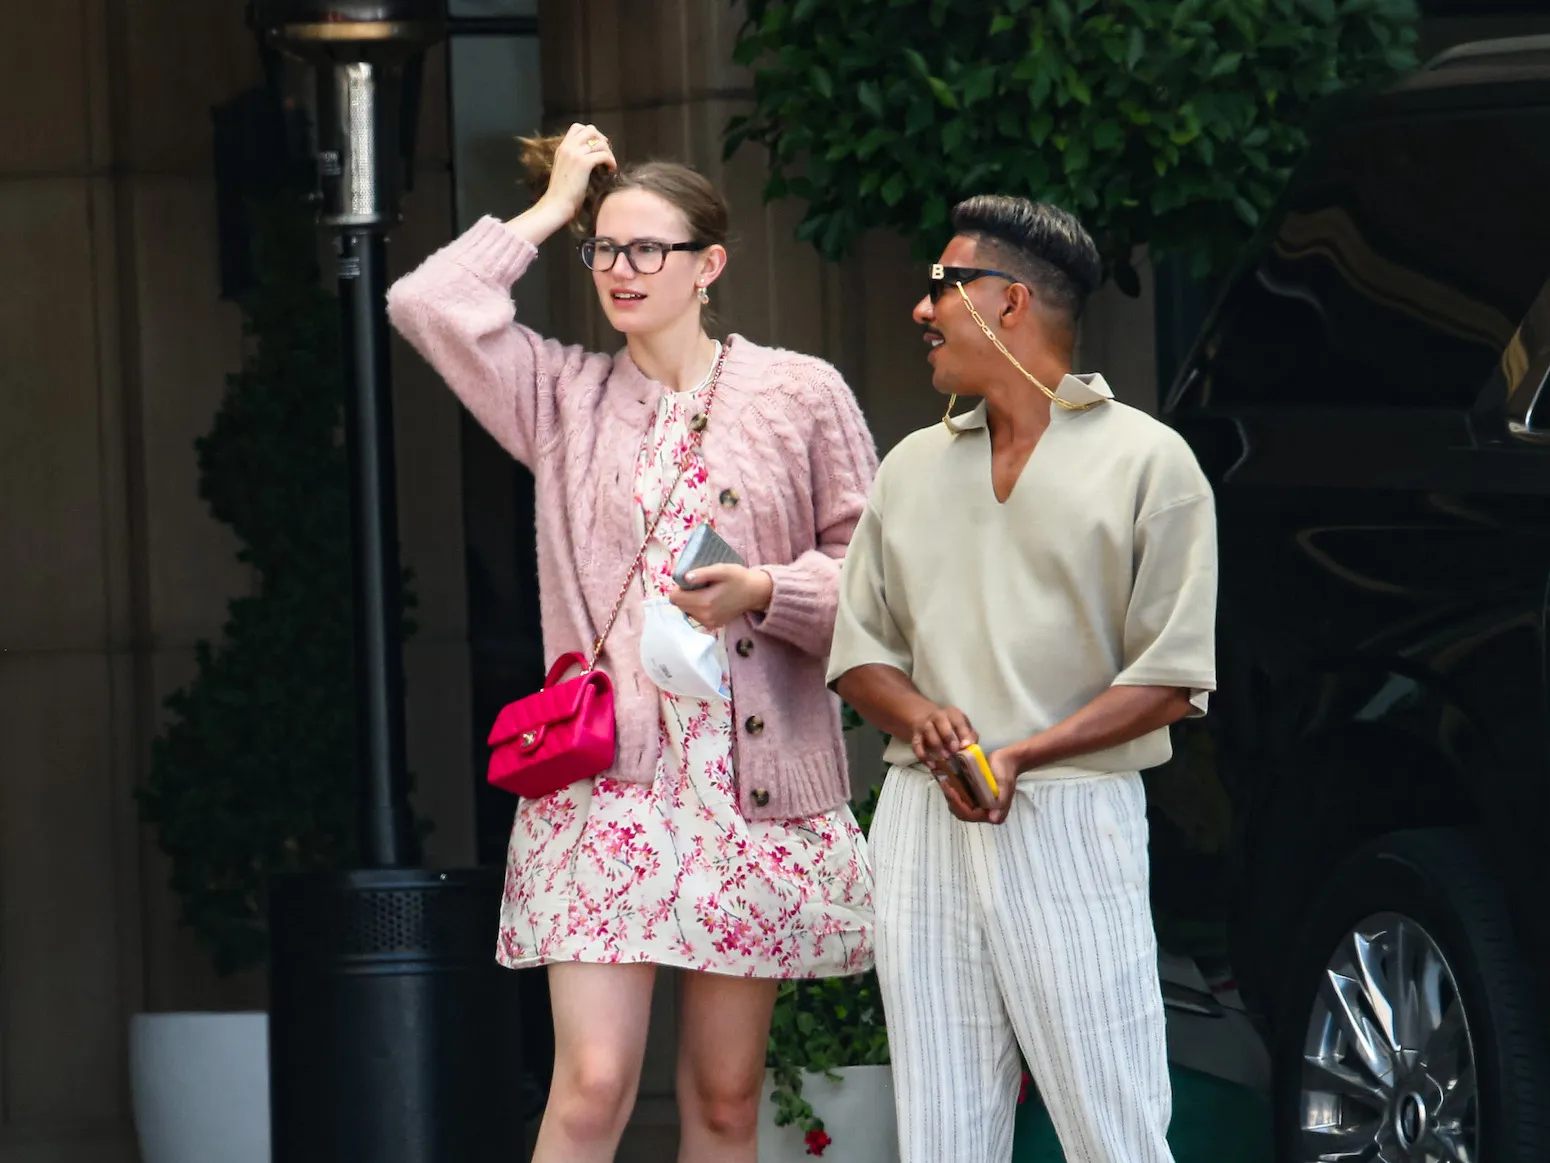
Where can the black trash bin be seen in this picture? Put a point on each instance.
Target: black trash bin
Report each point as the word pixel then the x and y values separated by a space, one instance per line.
pixel 394 1036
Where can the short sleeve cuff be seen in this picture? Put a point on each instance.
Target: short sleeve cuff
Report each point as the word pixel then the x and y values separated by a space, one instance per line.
pixel 842 664
pixel 1199 687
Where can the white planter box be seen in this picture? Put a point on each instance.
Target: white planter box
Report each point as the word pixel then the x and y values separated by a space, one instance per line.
pixel 199 1086
pixel 857 1111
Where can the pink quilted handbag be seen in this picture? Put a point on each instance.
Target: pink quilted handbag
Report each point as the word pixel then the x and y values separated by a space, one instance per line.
pixel 560 735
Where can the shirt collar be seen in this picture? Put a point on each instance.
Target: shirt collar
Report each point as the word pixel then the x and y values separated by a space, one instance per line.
pixel 1087 388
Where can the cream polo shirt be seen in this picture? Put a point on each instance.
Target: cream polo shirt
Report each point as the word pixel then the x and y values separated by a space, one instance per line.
pixel 1099 570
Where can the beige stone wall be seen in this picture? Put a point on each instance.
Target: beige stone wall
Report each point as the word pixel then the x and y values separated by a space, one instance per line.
pixel 113 353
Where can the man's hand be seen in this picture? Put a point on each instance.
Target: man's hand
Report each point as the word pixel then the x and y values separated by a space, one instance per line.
pixel 728 592
pixel 889 700
pixel 939 733
pixel 1117 716
pixel 1004 766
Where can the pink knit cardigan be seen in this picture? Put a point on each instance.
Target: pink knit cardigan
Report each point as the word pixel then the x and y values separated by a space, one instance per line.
pixel 790 460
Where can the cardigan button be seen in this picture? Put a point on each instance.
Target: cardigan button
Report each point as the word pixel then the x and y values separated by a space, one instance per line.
pixel 754 725
pixel 698 421
pixel 729 498
pixel 744 647
pixel 761 798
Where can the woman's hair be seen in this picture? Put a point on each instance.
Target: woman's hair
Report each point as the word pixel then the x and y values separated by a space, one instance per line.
pixel 688 190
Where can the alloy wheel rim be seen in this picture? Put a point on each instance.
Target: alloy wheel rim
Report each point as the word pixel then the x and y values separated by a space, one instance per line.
pixel 1388 1066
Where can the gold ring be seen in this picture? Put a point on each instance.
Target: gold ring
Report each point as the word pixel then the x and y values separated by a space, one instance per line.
pixel 594 142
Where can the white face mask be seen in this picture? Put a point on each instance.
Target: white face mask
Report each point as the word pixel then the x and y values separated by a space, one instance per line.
pixel 679 658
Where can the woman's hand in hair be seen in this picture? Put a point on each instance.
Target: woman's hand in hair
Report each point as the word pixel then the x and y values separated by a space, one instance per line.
pixel 724 593
pixel 575 157
pixel 581 151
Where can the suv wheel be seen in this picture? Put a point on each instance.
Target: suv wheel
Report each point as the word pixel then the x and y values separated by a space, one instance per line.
pixel 1408 1032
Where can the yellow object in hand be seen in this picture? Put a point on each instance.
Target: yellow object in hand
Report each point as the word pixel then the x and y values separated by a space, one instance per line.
pixel 983 764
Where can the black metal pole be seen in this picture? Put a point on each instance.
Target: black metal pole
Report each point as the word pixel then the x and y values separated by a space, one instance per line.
pixel 379 668
pixel 394 1037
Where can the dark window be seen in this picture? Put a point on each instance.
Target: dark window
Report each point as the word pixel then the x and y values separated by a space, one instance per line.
pixel 1403 262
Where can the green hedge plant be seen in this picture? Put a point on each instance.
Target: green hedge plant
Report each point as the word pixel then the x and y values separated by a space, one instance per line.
pixel 255 773
pixel 1170 123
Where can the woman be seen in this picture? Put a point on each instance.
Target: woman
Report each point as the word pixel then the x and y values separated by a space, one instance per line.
pixel 720 841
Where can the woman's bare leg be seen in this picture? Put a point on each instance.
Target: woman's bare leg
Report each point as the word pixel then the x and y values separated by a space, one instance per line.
pixel 723 1036
pixel 601 1013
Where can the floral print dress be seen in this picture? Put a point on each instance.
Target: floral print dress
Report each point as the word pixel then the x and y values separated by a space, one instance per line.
pixel 669 872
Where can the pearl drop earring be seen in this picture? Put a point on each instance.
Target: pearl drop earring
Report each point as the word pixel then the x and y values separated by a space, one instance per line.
pixel 704 295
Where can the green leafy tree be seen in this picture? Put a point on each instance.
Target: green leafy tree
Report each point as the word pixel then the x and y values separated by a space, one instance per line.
pixel 1172 123
pixel 255 773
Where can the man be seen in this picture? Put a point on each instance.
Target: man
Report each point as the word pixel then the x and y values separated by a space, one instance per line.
pixel 1037 576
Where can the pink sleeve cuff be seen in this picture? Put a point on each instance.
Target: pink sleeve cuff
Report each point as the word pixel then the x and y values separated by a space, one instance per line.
pixel 491 251
pixel 803 602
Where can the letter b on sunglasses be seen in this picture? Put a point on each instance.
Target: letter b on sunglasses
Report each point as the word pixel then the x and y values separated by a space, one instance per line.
pixel 944 277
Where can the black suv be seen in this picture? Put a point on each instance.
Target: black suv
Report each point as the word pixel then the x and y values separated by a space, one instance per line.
pixel 1369 398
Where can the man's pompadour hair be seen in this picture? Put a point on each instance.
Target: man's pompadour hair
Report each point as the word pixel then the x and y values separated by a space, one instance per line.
pixel 1041 244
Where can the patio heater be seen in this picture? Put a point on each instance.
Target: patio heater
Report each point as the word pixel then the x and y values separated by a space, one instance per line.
pixel 392 1031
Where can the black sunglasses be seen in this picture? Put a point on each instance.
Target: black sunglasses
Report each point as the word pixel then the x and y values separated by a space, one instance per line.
pixel 646 256
pixel 943 277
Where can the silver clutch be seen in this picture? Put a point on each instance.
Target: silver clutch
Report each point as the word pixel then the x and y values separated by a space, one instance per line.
pixel 705 547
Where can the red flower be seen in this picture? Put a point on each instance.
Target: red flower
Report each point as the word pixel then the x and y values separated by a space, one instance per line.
pixel 1022 1089
pixel 817 1141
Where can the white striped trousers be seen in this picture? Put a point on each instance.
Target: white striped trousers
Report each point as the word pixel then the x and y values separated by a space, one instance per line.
pixel 1035 933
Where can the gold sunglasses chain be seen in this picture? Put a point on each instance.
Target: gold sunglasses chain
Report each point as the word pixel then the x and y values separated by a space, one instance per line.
pixel 1001 347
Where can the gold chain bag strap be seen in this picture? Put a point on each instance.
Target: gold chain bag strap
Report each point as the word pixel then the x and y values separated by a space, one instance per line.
pixel 697 425
pixel 565 732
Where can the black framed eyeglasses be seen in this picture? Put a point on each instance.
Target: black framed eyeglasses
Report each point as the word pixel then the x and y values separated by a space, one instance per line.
pixel 646 256
pixel 944 277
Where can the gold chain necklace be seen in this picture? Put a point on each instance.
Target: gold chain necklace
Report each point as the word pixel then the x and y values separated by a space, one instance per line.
pixel 1001 347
